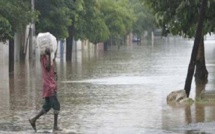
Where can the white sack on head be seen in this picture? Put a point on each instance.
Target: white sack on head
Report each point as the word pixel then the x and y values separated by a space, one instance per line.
pixel 47 40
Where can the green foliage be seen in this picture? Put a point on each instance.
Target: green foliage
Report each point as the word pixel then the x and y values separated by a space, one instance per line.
pixel 5 29
pixel 210 19
pixel 181 17
pixel 89 24
pixel 145 19
pixel 14 16
pixel 54 17
pixel 118 16
pixel 74 6
pixel 103 19
pixel 95 20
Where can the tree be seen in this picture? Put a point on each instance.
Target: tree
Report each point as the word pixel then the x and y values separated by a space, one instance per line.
pixel 119 18
pixel 181 17
pixel 198 39
pixel 145 19
pixel 74 7
pixel 5 29
pixel 14 16
pixel 53 17
pixel 91 24
pixel 99 21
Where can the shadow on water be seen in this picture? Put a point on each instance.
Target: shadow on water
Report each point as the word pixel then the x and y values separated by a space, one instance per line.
pixel 119 91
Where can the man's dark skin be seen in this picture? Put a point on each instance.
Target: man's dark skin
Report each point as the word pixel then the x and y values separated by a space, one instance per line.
pixel 48 65
pixel 48 53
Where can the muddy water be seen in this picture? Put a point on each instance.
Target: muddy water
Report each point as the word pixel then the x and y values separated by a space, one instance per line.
pixel 121 91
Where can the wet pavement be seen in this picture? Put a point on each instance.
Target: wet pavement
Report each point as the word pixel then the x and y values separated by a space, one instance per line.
pixel 121 91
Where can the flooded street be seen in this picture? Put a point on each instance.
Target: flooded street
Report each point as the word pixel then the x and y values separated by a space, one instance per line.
pixel 121 91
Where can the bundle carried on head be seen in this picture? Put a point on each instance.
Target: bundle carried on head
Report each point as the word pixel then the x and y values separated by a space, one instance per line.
pixel 46 40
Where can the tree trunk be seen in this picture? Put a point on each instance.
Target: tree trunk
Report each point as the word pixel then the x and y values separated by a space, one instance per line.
pixel 201 73
pixel 11 55
pixel 106 43
pixel 197 40
pixel 69 41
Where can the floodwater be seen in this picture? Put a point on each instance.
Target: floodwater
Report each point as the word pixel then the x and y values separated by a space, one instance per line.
pixel 121 91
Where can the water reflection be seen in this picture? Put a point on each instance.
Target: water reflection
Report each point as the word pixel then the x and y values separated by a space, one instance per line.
pixel 4 82
pixel 119 91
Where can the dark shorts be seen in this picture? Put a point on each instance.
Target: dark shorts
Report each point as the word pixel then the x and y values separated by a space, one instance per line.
pixel 51 102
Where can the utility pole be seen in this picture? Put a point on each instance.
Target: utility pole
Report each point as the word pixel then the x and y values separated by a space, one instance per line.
pixel 32 32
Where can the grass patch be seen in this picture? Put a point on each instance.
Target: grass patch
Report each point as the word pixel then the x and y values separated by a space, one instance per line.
pixel 205 100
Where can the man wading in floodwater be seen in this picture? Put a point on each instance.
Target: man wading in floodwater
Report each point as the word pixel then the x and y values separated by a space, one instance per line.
pixel 49 90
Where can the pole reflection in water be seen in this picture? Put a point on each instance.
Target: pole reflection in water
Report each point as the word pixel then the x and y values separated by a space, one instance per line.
pixel 4 78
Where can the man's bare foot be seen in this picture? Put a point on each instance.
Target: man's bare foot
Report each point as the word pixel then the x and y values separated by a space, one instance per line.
pixel 33 124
